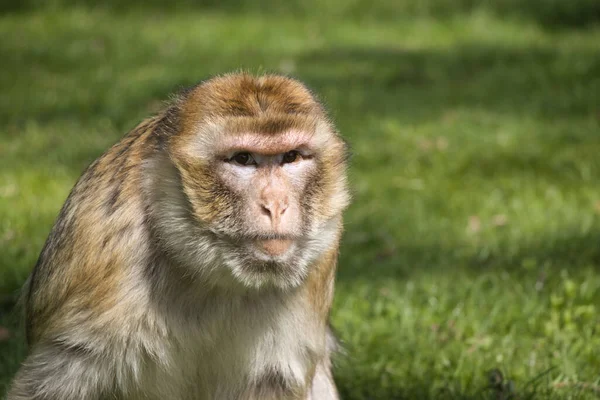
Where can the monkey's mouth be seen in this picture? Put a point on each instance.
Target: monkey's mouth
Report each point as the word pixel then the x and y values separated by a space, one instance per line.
pixel 274 247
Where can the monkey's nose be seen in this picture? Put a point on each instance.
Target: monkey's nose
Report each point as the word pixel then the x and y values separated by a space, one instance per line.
pixel 274 209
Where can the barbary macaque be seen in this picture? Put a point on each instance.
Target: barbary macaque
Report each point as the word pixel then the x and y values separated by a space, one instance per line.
pixel 195 259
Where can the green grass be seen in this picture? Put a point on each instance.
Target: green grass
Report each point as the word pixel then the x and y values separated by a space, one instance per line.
pixel 473 242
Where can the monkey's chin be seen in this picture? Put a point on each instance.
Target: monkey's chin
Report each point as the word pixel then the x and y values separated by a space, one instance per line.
pixel 274 248
pixel 276 263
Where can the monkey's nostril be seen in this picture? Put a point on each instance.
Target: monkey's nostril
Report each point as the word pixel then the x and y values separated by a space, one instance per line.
pixel 273 209
pixel 265 210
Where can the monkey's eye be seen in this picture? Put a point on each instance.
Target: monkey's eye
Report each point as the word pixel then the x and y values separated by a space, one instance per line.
pixel 290 157
pixel 243 159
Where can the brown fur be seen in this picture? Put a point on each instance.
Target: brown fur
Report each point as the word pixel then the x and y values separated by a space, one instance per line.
pixel 112 298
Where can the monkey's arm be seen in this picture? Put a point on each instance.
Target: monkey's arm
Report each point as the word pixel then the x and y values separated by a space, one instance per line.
pixel 323 386
pixel 58 372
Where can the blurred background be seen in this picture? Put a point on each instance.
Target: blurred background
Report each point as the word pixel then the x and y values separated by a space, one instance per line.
pixel 470 262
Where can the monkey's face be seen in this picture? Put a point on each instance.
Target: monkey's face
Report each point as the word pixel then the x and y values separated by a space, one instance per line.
pixel 260 182
pixel 272 202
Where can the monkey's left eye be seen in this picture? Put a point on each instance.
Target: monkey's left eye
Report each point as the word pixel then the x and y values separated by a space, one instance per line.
pixel 291 156
pixel 243 159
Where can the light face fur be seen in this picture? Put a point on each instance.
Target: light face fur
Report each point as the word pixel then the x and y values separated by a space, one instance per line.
pixel 196 258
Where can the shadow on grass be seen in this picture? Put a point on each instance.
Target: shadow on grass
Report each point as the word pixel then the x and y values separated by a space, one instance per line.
pixel 13 350
pixel 411 86
pixel 544 254
pixel 549 13
pixel 422 84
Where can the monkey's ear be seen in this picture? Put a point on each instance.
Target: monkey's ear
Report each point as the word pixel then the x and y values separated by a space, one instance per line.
pixel 348 151
pixel 184 91
pixel 169 124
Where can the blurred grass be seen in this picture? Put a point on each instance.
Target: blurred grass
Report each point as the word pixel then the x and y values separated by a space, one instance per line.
pixel 473 242
pixel 550 13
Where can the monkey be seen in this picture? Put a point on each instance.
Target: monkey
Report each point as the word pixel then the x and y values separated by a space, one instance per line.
pixel 196 258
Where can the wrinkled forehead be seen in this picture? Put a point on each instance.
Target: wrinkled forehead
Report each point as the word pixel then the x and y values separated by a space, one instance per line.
pixel 268 125
pixel 264 135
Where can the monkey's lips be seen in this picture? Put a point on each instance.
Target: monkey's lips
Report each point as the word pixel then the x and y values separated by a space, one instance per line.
pixel 274 247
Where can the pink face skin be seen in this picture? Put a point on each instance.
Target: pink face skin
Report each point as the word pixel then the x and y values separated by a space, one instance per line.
pixel 269 174
pixel 269 202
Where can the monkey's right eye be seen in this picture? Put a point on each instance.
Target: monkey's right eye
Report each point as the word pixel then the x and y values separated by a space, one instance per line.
pixel 243 159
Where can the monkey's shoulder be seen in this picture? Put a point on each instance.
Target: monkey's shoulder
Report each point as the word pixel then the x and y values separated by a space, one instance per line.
pixel 100 222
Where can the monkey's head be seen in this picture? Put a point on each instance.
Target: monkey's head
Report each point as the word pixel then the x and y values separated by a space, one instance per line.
pixel 256 184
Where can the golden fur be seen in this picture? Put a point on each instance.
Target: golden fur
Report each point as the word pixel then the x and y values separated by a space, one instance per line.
pixel 141 292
